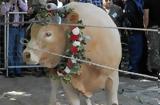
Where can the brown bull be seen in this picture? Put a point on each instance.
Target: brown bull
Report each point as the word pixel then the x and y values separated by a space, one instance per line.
pixel 103 47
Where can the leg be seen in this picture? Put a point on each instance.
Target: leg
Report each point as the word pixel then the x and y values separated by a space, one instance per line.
pixel 88 101
pixel 71 94
pixel 54 87
pixel 11 49
pixel 112 87
pixel 19 50
pixel 136 46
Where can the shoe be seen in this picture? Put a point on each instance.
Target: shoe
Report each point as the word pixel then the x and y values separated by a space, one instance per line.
pixel 11 75
pixel 134 77
pixel 38 74
pixel 19 75
pixel 4 72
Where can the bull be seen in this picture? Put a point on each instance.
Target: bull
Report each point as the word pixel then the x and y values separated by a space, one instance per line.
pixel 103 47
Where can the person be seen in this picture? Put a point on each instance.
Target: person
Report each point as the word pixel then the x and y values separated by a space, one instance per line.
pixel 95 2
pixel 152 20
pixel 133 12
pixel 114 11
pixel 2 41
pixel 16 33
pixel 119 3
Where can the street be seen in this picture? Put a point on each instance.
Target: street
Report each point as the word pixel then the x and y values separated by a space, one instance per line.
pixel 31 90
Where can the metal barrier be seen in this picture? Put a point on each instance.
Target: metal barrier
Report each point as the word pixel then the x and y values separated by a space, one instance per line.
pixel 6 66
pixel 6 29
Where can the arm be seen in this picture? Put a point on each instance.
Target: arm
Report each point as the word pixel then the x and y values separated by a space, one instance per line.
pixel 146 18
pixel 23 5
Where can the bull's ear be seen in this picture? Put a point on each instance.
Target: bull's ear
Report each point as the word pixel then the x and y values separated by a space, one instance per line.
pixel 73 18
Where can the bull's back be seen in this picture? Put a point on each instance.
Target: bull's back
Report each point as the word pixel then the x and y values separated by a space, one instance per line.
pixel 103 46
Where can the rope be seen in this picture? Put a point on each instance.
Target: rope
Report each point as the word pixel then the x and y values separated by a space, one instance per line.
pixel 95 64
pixel 88 62
pixel 63 24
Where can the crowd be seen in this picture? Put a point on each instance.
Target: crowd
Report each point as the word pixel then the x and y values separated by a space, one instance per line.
pixel 143 46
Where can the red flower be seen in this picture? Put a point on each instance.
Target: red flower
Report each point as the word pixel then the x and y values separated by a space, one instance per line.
pixel 74 37
pixel 69 63
pixel 74 50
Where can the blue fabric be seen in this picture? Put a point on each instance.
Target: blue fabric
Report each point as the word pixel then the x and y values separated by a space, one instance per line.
pixel 136 49
pixel 139 4
pixel 15 48
pixel 95 2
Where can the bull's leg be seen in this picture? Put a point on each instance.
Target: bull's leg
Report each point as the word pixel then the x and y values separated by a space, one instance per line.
pixel 88 101
pixel 71 94
pixel 54 86
pixel 112 87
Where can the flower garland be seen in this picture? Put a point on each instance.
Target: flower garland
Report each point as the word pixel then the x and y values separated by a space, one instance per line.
pixel 75 50
pixel 47 16
pixel 70 66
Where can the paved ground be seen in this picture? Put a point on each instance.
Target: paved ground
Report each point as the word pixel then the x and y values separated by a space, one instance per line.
pixel 37 92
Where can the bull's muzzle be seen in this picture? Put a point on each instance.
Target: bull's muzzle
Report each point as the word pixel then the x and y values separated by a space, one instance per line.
pixel 30 57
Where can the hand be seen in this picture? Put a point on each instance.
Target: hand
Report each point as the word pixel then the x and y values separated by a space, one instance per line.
pixel 30 10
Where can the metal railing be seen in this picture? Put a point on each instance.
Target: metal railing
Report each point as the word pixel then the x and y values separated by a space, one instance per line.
pixel 6 43
pixel 6 29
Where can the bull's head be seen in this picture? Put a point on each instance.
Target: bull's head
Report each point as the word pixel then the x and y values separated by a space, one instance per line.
pixel 46 40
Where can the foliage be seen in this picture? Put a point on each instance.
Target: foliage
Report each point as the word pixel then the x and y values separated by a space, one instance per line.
pixel 75 50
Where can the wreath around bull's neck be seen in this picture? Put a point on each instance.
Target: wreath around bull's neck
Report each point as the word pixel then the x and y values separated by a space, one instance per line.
pixel 75 51
pixel 70 66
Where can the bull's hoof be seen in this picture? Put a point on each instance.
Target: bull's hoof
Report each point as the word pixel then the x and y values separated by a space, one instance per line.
pixel 58 103
pixel 114 104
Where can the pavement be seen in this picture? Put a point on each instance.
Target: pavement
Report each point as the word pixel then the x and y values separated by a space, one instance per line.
pixel 31 90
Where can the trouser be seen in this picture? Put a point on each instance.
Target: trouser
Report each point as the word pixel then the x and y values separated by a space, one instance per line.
pixel 15 48
pixel 136 50
pixel 153 39
pixel 1 46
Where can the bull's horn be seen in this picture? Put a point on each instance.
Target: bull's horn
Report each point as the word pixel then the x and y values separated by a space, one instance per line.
pixel 51 6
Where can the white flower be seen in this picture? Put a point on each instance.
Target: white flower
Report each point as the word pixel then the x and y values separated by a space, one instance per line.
pixel 73 59
pixel 76 31
pixel 81 38
pixel 76 43
pixel 67 70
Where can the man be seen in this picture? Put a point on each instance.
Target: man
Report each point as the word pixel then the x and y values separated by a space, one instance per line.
pixel 95 2
pixel 118 2
pixel 16 33
pixel 136 39
pixel 152 20
pixel 114 11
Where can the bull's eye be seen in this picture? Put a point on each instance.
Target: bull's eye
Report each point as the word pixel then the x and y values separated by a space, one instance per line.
pixel 48 34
